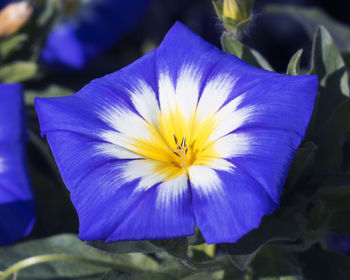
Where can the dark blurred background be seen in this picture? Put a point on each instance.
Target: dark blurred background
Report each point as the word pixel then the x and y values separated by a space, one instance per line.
pixel 277 37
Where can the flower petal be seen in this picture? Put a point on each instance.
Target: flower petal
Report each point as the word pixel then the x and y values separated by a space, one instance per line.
pixel 128 93
pixel 227 205
pixel 106 186
pixel 108 193
pixel 17 220
pixel 164 211
pixel 265 154
pixel 189 68
pixel 17 206
pixel 283 103
pixel 11 113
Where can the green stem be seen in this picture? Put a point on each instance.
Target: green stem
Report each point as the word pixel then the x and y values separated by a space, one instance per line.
pixel 59 257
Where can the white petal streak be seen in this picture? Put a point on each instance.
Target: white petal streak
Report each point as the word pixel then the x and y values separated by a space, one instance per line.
pixel 187 89
pixel 170 192
pixel 215 94
pixel 167 98
pixel 126 122
pixel 204 179
pixel 116 145
pixel 144 99
pixel 143 170
pixel 220 164
pixel 230 117
pixel 115 151
pixel 234 145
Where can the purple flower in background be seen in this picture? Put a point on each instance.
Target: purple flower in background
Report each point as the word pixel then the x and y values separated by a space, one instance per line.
pixel 187 135
pixel 95 27
pixel 339 243
pixel 17 205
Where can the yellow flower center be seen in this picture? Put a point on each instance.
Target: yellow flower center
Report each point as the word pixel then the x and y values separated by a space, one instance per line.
pixel 177 142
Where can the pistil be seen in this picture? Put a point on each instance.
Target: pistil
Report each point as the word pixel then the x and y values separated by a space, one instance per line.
pixel 181 151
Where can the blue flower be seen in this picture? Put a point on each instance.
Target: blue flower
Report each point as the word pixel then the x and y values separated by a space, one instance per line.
pixel 95 28
pixel 17 205
pixel 187 135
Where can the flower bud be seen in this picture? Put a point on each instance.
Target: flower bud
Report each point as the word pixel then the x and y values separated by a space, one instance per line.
pixel 235 10
pixel 13 17
pixel 234 13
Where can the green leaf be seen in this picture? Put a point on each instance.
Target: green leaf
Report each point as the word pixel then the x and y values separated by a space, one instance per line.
pixel 320 264
pixel 125 246
pixel 234 273
pixel 301 166
pixel 196 239
pixel 18 72
pixel 51 91
pixel 70 245
pixel 173 266
pixel 11 44
pixel 232 46
pixel 329 66
pixel 311 17
pixel 55 211
pixel 176 247
pixel 203 252
pixel 242 261
pixel 37 29
pixel 117 275
pixel 332 138
pixel 205 275
pixel 42 26
pixel 334 190
pixel 272 228
pixel 293 67
pixel 272 263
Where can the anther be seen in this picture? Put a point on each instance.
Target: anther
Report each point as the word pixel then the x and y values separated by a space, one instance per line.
pixel 183 142
pixel 176 142
pixel 176 154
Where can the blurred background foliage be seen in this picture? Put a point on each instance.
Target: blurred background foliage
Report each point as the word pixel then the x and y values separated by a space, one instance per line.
pixel 307 238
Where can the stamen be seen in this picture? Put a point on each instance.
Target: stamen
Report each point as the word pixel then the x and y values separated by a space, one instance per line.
pixel 181 152
pixel 183 142
pixel 176 142
pixel 176 154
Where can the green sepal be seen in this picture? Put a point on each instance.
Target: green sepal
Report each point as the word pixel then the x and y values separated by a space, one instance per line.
pixel 328 64
pixel 293 67
pixel 332 137
pixel 219 8
pixel 233 46
pixel 235 26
